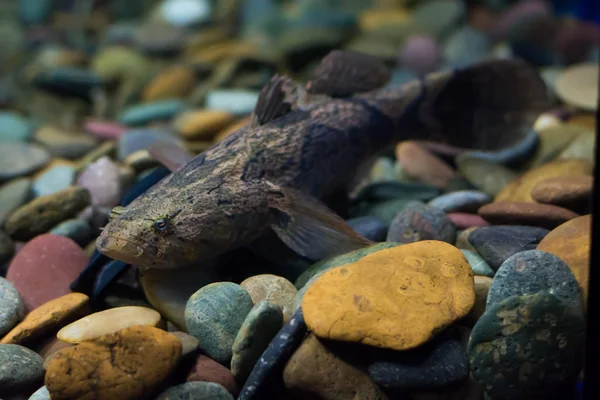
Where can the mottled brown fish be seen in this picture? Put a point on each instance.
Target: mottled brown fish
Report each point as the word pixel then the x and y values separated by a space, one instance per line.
pixel 304 144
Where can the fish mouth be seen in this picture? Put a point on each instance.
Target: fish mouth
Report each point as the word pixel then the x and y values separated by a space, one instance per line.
pixel 121 249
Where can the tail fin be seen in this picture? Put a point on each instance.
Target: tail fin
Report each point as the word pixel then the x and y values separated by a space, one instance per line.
pixel 488 106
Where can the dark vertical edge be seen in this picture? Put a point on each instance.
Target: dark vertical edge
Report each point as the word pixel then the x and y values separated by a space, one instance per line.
pixel 591 382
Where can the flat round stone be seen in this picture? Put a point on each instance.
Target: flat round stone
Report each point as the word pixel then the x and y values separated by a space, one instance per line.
pixel 528 347
pixel 13 195
pixel 77 230
pixel 460 201
pixel 464 220
pixel 53 179
pixel 487 176
pixel 107 322
pixel 434 285
pixel 478 264
pixel 569 192
pixel 20 159
pixel 274 289
pixel 21 367
pixel 208 370
pixel 534 271
pixel 421 165
pixel 214 315
pixel 421 222
pixel 196 391
pixel 202 124
pixel 12 309
pixel 522 213
pixel 173 82
pixel 65 144
pixel 371 228
pixel 578 86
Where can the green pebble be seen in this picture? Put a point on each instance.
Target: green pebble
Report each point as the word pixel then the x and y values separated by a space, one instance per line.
pixel 13 127
pixel 141 114
pixel 77 230
pixel 214 315
pixel 485 175
pixel 260 326
pixel 196 391
pixel 478 264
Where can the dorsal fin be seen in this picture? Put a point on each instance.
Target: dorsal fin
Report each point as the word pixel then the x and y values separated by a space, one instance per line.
pixel 342 73
pixel 273 101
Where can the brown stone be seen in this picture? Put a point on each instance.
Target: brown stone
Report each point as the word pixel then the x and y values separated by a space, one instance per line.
pixel 174 82
pixel 274 289
pixel 571 243
pixel 395 298
pixel 128 364
pixel 208 370
pixel 315 372
pixel 47 318
pixel 482 287
pixel 49 347
pixel 572 192
pixel 584 120
pixel 202 124
pixel 520 189
pixel 421 165
pixel 522 213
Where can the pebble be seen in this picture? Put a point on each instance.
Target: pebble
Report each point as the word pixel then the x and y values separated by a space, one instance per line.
pixel 464 221
pixel 21 368
pixel 104 130
pixel 208 370
pixel 214 315
pixel 348 298
pixel 271 364
pixel 578 86
pixel 573 193
pixel 106 322
pixel 45 267
pixel 495 244
pixel 43 213
pixel 315 372
pixel 102 179
pixel 420 53
pixel 582 147
pixel 54 179
pixel 534 271
pixel 13 195
pixel 12 309
pixel 520 189
pixel 478 264
pixel 128 364
pixel 75 229
pixel 41 394
pixel 142 114
pixel 189 344
pixel 421 165
pixel 14 127
pixel 140 139
pixel 460 201
pixel 173 82
pixel 65 144
pixel 486 176
pixel 202 124
pixel 7 248
pixel 522 213
pixel 235 101
pixel 552 141
pixel 274 289
pixel 437 364
pixel 186 12
pixel 20 159
pixel 466 46
pixel 196 391
pixel 47 318
pixel 421 222
pixel 260 326
pixel 482 288
pixel 571 243
pixel 385 210
pixel 528 347
pixel 156 38
pixel 382 191
pixel 371 228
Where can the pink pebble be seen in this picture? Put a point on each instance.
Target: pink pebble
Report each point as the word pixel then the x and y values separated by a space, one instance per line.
pixel 420 54
pixel 104 130
pixel 45 267
pixel 465 220
pixel 103 181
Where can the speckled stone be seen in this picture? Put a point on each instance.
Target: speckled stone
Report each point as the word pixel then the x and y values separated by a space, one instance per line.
pixel 478 264
pixel 13 195
pixel 196 391
pixel 42 214
pixel 75 229
pixel 20 368
pixel 497 243
pixel 574 193
pixel 214 315
pixel 55 179
pixel 534 271
pixel 274 289
pixel 208 370
pixel 522 213
pixel 371 228
pixel 19 159
pixel 272 361
pixel 12 309
pixel 460 201
pixel 421 222
pixel 528 347
pixel 260 326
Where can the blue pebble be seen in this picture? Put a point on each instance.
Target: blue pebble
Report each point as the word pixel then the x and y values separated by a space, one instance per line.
pixel 14 128
pixel 236 101
pixel 372 228
pixel 461 201
pixel 75 229
pixel 141 114
pixel 54 180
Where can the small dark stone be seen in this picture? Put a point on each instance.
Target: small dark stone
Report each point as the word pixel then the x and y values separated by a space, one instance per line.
pixel 262 381
pixel 534 271
pixel 196 391
pixel 385 210
pixel 421 222
pixel 370 227
pixel 497 243
pixel 7 248
pixel 73 82
pixel 528 348
pixel 389 190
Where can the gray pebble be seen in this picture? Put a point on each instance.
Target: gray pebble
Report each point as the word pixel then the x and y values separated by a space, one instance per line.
pixel 13 195
pixel 19 367
pixel 196 391
pixel 41 394
pixel 19 159
pixel 12 309
pixel 76 229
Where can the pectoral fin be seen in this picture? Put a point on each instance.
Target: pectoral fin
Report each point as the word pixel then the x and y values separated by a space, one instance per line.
pixel 309 228
pixel 170 155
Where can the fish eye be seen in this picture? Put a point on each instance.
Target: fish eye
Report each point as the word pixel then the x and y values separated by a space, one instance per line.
pixel 161 225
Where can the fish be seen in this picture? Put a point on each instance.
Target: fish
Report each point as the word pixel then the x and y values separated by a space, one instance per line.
pixel 306 142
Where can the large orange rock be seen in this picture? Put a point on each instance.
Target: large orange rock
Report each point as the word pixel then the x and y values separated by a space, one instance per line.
pixel 571 243
pixel 396 298
pixel 125 365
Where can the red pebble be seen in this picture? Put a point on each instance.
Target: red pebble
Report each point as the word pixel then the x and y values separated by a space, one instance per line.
pixel 465 220
pixel 104 130
pixel 208 370
pixel 45 267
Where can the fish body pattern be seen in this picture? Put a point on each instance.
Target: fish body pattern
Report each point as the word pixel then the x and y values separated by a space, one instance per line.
pixel 272 175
